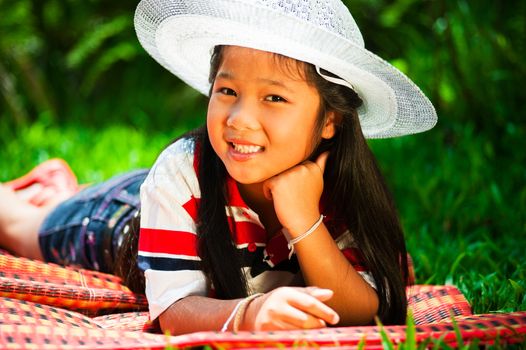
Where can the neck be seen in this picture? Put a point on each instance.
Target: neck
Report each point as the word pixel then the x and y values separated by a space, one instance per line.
pixel 253 195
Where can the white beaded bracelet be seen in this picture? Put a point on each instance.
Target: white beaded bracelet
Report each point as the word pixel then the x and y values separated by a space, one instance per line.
pixel 229 319
pixel 238 312
pixel 303 235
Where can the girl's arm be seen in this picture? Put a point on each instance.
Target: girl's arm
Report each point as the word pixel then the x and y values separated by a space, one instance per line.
pixel 196 313
pixel 324 265
pixel 282 308
pixel 296 195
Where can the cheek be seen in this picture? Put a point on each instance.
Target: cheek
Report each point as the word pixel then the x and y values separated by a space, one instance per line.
pixel 217 113
pixel 211 112
pixel 213 125
pixel 298 126
pixel 294 140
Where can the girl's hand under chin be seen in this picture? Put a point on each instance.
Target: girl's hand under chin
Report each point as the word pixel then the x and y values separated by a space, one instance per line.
pixel 291 308
pixel 296 194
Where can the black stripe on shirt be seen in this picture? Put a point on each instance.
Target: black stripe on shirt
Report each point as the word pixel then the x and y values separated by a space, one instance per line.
pixel 167 264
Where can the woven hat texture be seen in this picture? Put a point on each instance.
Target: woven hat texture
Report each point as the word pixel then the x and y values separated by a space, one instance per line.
pixel 180 35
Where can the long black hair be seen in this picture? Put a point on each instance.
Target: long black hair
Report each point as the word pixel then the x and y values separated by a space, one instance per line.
pixel 351 176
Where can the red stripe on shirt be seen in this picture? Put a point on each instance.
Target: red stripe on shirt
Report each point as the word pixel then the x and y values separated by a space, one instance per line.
pixel 248 232
pixel 191 207
pixel 234 197
pixel 167 242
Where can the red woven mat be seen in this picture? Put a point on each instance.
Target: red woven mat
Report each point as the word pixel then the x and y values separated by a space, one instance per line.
pixel 510 328
pixel 82 290
pixel 28 325
pixel 431 304
pixel 129 321
pixel 37 302
pixel 46 337
pixel 21 312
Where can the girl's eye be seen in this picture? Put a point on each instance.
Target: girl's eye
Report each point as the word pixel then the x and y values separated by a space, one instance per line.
pixel 227 91
pixel 275 98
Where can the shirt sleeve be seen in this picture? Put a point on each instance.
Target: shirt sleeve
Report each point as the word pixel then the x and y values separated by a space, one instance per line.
pixel 348 247
pixel 167 240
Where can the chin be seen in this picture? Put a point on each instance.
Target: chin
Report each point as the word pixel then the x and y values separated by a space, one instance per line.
pixel 246 179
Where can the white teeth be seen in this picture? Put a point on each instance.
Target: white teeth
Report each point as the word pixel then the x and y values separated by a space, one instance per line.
pixel 247 148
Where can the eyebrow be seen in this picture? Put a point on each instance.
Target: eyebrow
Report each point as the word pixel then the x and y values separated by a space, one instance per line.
pixel 229 76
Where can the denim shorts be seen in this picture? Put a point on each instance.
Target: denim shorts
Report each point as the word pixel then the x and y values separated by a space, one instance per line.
pixel 87 229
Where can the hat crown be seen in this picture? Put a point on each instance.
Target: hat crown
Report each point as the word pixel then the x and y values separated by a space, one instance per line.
pixel 180 35
pixel 331 15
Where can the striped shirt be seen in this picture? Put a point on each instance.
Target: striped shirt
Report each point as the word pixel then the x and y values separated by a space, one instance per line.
pixel 168 241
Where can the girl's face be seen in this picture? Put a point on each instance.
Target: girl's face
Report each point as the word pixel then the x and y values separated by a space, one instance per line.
pixel 261 116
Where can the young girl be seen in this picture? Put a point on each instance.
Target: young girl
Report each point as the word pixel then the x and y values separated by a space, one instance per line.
pixel 274 215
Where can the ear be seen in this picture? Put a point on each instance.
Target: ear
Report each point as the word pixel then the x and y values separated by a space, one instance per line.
pixel 331 122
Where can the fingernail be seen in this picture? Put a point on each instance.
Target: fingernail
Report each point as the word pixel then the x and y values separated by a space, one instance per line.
pixel 322 291
pixel 335 319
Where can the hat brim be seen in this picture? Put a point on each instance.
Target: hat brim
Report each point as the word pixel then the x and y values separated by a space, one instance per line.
pixel 182 41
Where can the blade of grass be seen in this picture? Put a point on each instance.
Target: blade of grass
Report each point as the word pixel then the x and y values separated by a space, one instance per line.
pixel 460 341
pixel 361 343
pixel 387 344
pixel 410 334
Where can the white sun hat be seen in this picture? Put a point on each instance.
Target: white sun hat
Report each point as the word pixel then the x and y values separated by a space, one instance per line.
pixel 181 35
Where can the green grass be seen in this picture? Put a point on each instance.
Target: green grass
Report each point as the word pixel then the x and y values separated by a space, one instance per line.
pixel 410 342
pixel 93 154
pixel 462 199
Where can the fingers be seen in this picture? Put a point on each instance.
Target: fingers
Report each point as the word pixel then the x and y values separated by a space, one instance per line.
pixel 315 306
pixel 269 183
pixel 322 294
pixel 278 325
pixel 267 191
pixel 295 308
pixel 296 319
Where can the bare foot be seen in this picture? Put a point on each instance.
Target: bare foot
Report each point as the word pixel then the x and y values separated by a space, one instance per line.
pixel 20 223
pixel 47 184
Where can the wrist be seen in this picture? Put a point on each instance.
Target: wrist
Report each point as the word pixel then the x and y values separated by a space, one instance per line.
pixel 302 225
pixel 248 322
pixel 302 236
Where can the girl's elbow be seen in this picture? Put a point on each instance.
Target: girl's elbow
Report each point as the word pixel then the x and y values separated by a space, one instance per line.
pixel 360 318
pixel 167 322
pixel 363 313
pixel 165 325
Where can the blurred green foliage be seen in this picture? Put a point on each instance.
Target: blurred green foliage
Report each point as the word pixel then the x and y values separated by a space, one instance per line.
pixel 65 60
pixel 75 83
pixel 69 61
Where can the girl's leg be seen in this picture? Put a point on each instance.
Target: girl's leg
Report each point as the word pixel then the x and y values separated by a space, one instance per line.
pixel 20 223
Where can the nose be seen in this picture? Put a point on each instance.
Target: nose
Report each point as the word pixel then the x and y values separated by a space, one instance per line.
pixel 243 115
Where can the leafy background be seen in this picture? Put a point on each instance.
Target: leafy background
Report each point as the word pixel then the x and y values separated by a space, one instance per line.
pixel 75 84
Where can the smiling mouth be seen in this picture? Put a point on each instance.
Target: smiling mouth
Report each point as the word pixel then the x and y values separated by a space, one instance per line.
pixel 246 149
